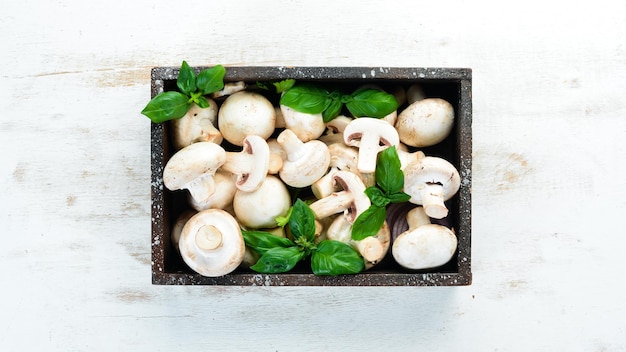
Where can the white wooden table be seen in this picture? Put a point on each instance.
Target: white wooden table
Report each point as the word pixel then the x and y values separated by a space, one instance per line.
pixel 549 86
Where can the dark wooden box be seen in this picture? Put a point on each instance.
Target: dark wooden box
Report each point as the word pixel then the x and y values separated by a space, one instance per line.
pixel 452 84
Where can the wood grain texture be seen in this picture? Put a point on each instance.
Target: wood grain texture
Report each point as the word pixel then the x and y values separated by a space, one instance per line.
pixel 548 190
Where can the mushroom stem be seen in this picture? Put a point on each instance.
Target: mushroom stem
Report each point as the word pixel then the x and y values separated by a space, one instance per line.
pixel 432 200
pixel 370 248
pixel 201 188
pixel 208 237
pixel 368 150
pixel 333 204
pixel 417 217
pixel 237 163
pixel 290 143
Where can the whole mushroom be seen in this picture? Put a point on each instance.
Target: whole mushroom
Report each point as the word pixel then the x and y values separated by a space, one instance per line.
pixel 193 168
pixel 306 162
pixel 350 199
pixel 430 181
pixel 334 129
pixel 371 136
pixel 259 208
pixel 197 125
pixel 225 187
pixel 423 245
pixel 246 113
pixel 425 122
pixel 306 126
pixel 211 243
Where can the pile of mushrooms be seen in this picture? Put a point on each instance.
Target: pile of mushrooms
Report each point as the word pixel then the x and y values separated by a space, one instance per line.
pixel 238 160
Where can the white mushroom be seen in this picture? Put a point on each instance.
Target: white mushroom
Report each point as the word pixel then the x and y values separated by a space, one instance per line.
pixel 251 165
pixel 373 248
pixel 225 188
pixel 350 199
pixel 371 136
pixel 342 157
pixel 334 129
pixel 229 89
pixel 306 126
pixel 260 208
pixel 306 162
pixel 197 125
pixel 414 93
pixel 431 181
pixel 425 122
pixel 423 245
pixel 193 167
pixel 246 113
pixel 211 243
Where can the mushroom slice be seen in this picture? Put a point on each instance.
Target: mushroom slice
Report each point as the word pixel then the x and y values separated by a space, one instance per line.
pixel 211 243
pixel 430 181
pixel 373 248
pixel 351 199
pixel 423 245
pixel 306 162
pixel 342 157
pixel 425 122
pixel 197 125
pixel 193 168
pixel 251 165
pixel 371 136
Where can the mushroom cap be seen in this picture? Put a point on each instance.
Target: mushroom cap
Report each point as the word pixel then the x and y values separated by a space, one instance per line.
pixel 246 113
pixel 177 228
pixel 428 246
pixel 201 159
pixel 306 162
pixel 342 157
pixel 259 209
pixel 430 170
pixel 373 249
pixel 211 243
pixel 197 125
pixel 306 126
pixel 425 122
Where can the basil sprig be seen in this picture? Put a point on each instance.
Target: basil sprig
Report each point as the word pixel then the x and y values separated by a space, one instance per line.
pixel 279 255
pixel 314 99
pixel 388 189
pixel 192 89
pixel 279 86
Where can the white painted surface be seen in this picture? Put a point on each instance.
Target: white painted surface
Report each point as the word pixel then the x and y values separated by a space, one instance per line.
pixel 548 193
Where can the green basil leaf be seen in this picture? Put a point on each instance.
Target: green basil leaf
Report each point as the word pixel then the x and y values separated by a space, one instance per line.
pixel 372 103
pixel 377 197
pixel 186 81
pixel 261 241
pixel 278 260
pixel 399 197
pixel 302 221
pixel 211 79
pixel 283 85
pixel 282 221
pixel 389 175
pixel 167 106
pixel 202 102
pixel 336 258
pixel 369 222
pixel 332 110
pixel 306 98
